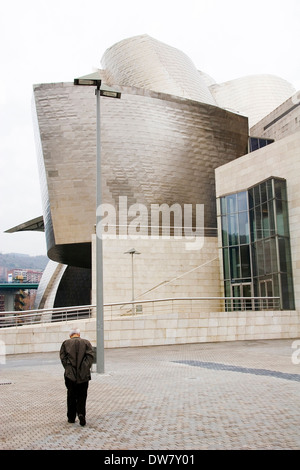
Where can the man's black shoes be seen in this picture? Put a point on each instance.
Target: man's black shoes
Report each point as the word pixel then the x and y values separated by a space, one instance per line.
pixel 81 420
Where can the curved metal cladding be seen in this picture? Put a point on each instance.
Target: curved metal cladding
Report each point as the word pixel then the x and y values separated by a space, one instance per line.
pixel 156 148
pixel 144 62
pixel 254 96
pixel 43 180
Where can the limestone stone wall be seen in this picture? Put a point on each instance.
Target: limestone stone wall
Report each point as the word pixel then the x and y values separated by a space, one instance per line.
pixel 157 329
pixel 164 269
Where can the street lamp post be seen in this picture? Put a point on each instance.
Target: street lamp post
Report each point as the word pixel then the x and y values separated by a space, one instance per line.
pixel 132 252
pixel 94 80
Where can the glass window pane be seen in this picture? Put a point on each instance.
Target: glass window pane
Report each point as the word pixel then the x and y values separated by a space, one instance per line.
pixel 252 225
pixel 271 218
pixel 244 227
pixel 265 220
pixel 245 261
pixel 258 227
pixel 263 292
pixel 268 257
pixel 262 143
pixel 269 288
pixel 284 254
pixel 276 289
pixel 251 198
pixel 242 201
pixel 224 231
pixel 282 218
pixel 280 189
pixel 254 144
pixel 247 292
pixel 235 266
pixel 253 257
pixel 256 195
pixel 227 288
pixel 236 292
pixel 256 292
pixel 274 266
pixel 269 189
pixel 263 192
pixel 223 205
pixel 260 258
pixel 227 292
pixel 226 263
pixel 233 229
pixel 231 203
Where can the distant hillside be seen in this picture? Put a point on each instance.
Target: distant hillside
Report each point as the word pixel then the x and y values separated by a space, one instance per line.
pixel 18 260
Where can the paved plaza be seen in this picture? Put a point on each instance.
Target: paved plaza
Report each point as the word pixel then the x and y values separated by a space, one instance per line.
pixel 214 396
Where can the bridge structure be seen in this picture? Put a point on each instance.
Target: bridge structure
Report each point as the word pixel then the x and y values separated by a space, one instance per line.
pixel 8 290
pixel 13 286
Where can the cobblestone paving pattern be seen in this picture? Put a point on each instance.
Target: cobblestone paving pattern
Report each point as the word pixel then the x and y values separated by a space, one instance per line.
pixel 177 397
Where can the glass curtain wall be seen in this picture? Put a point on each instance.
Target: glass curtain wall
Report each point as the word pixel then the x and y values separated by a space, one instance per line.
pixel 256 246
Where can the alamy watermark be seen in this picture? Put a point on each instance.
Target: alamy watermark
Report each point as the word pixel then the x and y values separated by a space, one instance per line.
pixel 2 352
pixel 296 353
pixel 156 221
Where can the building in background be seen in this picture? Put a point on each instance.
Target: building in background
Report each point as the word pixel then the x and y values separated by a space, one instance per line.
pixel 24 275
pixel 17 292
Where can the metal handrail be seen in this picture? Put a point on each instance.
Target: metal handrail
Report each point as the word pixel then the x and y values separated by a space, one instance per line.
pixel 28 317
pixel 129 302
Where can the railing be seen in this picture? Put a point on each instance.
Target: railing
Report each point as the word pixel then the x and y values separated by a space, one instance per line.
pixel 123 310
pixel 190 305
pixel 30 317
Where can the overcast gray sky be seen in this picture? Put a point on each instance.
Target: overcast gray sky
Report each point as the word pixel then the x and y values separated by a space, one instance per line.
pixel 46 41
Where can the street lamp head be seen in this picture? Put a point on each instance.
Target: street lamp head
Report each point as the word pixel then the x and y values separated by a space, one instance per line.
pixel 109 92
pixel 93 79
pixel 87 82
pixel 133 251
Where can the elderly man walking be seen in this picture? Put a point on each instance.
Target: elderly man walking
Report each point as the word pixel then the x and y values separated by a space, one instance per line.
pixel 76 355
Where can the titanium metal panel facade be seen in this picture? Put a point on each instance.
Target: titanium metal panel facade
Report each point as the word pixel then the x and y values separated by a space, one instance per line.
pixel 142 61
pixel 156 148
pixel 254 96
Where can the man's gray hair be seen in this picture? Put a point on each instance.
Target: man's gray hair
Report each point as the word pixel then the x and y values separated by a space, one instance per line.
pixel 74 331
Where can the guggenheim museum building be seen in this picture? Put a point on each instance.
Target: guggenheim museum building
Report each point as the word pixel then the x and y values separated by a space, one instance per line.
pixel 200 199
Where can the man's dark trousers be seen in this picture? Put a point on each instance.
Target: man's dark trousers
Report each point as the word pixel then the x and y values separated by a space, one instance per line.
pixel 76 398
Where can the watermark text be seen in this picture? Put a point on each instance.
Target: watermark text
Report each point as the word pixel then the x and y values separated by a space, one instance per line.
pixel 156 221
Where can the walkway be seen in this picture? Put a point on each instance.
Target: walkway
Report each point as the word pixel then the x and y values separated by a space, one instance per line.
pixel 235 395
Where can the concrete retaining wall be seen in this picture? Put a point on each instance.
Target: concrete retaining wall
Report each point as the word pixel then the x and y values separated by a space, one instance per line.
pixel 157 329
